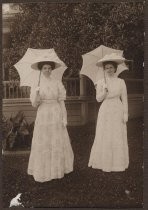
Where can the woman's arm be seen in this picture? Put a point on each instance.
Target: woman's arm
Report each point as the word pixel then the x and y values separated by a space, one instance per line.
pixel 101 91
pixel 35 96
pixel 64 112
pixel 124 101
pixel 61 98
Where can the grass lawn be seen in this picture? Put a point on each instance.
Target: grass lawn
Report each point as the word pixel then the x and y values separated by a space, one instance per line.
pixel 85 187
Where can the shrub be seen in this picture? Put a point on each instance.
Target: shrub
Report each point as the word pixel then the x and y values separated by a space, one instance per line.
pixel 74 29
pixel 16 132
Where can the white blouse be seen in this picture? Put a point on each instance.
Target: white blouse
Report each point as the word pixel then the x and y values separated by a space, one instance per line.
pixel 116 89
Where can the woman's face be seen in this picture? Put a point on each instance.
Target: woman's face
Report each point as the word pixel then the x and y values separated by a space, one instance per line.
pixel 110 69
pixel 46 70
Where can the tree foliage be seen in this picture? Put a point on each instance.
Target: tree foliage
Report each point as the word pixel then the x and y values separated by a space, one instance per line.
pixel 73 29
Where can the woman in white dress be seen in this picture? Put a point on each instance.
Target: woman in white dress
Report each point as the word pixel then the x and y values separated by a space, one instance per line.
pixel 51 152
pixel 110 148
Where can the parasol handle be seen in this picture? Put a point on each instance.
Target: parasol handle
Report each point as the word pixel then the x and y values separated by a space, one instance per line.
pixel 39 79
pixel 105 80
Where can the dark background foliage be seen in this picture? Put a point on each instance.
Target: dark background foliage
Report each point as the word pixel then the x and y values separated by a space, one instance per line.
pixel 73 29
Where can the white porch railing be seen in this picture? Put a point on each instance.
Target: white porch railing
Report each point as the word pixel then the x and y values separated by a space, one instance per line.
pixel 12 89
pixel 75 87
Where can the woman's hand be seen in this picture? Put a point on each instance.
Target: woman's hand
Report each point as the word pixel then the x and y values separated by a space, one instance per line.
pixel 125 117
pixel 105 92
pixel 105 88
pixel 37 89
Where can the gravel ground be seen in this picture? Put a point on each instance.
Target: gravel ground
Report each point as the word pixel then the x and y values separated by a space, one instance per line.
pixel 85 187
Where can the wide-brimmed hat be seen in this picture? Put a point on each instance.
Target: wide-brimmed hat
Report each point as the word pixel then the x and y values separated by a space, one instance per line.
pixel 40 60
pixel 35 65
pixel 114 57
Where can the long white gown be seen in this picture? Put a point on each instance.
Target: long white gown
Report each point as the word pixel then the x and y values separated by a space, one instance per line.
pixel 51 152
pixel 110 148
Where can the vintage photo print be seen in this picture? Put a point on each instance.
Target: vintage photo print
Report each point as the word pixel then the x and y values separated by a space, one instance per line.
pixel 72 107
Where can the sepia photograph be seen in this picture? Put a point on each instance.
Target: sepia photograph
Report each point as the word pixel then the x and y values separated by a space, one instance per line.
pixel 73 104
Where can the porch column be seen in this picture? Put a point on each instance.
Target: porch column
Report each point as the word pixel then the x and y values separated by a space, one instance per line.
pixel 3 72
pixel 83 98
pixel 83 92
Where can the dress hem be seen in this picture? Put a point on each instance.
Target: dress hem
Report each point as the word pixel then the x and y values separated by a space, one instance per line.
pixel 49 179
pixel 112 170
